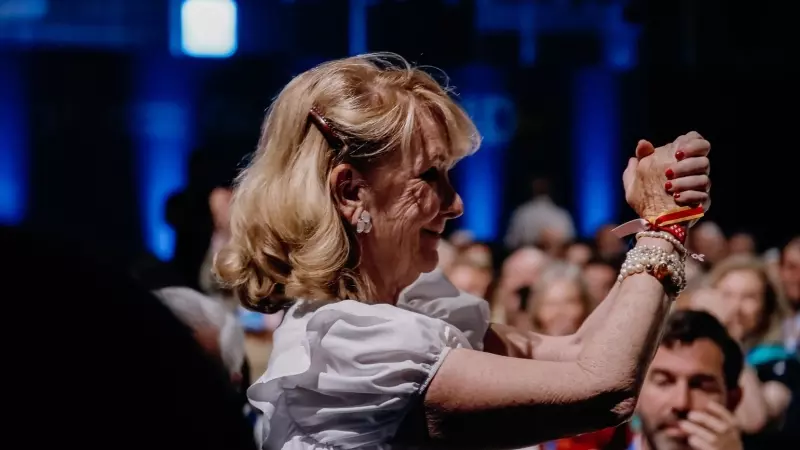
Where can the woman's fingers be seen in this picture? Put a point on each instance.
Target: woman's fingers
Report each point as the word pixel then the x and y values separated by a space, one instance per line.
pixel 690 190
pixel 695 147
pixel 699 165
pixel 699 183
pixel 691 198
pixel 644 149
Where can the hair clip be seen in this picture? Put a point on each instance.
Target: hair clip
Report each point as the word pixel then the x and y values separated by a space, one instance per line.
pixel 326 128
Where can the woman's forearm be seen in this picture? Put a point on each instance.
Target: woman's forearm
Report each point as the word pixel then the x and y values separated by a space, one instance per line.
pixel 597 389
pixel 565 348
pixel 598 317
pixel 621 348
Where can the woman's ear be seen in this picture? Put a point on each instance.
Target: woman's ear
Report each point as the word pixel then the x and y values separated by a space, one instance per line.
pixel 346 185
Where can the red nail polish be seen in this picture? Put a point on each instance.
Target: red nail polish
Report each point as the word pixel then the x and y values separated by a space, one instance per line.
pixel 677 195
pixel 668 185
pixel 679 155
pixel 670 174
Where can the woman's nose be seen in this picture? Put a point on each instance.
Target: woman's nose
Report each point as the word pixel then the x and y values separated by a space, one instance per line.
pixel 456 208
pixel 452 205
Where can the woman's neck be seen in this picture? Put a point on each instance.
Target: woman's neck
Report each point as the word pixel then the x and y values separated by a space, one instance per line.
pixel 385 285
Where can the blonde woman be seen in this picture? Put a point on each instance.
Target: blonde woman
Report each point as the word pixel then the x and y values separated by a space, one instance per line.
pixel 342 209
pixel 756 310
pixel 560 302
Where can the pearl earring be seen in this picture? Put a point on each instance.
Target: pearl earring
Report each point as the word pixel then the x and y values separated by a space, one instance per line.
pixel 364 224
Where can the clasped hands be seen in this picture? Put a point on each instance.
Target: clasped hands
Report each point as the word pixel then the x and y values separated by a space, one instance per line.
pixel 661 179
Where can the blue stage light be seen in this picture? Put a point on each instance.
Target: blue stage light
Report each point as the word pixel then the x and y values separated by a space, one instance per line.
pixel 209 28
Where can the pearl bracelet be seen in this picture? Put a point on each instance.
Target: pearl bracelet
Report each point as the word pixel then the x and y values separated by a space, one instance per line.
pixel 665 236
pixel 667 267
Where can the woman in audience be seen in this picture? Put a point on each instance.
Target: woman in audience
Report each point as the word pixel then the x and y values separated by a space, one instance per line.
pixel 341 210
pixel 560 302
pixel 753 314
pixel 473 275
pixel 579 253
pixel 756 310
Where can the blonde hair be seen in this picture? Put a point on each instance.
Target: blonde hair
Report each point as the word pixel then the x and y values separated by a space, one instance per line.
pixel 288 239
pixel 768 328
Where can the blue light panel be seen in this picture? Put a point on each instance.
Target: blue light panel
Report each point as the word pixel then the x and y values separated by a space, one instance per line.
pixel 620 39
pixel 481 175
pixel 595 153
pixel 357 27
pixel 13 151
pixel 164 131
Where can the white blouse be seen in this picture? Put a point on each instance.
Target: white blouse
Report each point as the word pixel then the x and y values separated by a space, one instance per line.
pixel 344 375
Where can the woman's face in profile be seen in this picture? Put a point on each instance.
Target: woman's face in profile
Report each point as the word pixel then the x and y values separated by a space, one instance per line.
pixel 411 200
pixel 743 290
pixel 560 310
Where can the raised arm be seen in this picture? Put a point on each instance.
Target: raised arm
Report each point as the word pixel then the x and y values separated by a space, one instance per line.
pixel 523 401
pixel 508 341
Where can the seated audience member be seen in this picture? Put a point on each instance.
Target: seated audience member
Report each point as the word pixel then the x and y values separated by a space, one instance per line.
pixel 757 309
pixel 530 220
pixel 471 275
pixel 790 286
pixel 126 373
pixel 755 319
pixel 789 275
pixel 742 243
pixel 560 302
pixel 691 388
pixel 763 402
pixel 708 239
pixel 519 273
pixel 579 253
pixel 554 242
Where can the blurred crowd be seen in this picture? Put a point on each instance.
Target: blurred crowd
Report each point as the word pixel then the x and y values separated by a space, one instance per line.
pixel 547 282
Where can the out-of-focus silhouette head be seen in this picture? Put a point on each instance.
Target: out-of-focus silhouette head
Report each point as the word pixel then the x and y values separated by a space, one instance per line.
pixel 118 368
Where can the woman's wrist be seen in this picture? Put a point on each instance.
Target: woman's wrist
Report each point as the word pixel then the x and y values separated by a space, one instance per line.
pixel 659 258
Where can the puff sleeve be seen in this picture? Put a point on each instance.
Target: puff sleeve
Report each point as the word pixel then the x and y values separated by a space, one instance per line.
pixel 433 295
pixel 345 375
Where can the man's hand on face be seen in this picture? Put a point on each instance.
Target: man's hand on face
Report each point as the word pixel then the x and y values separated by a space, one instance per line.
pixel 712 428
